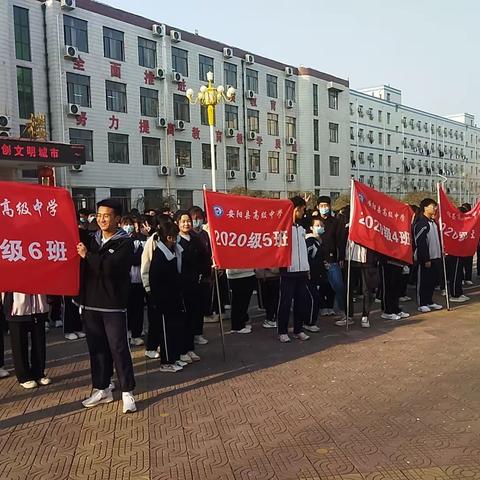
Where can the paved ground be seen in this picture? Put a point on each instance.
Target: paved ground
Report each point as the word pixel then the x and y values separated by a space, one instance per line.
pixel 398 401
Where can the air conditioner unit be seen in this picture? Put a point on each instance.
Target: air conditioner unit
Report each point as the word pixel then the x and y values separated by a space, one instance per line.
pixel 163 171
pixel 291 141
pixel 4 133
pixel 175 36
pixel 76 168
pixel 158 30
pixel 249 58
pixel 252 135
pixel 70 52
pixel 289 103
pixel 249 94
pixel 160 73
pixel 176 77
pixel 180 171
pixel 228 52
pixel 288 71
pixel 162 122
pixel 291 177
pixel 252 175
pixel 230 132
pixel 73 109
pixel 231 174
pixel 67 4
pixel 179 125
pixel 5 121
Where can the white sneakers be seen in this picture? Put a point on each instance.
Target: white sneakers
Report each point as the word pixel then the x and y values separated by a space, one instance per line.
pixel 284 338
pixel 136 341
pixel 4 373
pixel 45 381
pixel 186 358
pixel 468 282
pixel 365 323
pixel 128 403
pixel 435 306
pixel 327 312
pixel 200 340
pixel 247 329
pixel 269 324
pixel 194 357
pixel 343 322
pixel 311 328
pixel 71 336
pixel 424 309
pixel 181 363
pixel 29 385
pixel 301 336
pixel 391 316
pixel 98 397
pixel 405 298
pixel 460 299
pixel 170 368
pixel 152 354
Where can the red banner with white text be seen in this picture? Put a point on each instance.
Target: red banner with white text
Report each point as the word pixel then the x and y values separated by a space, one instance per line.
pixel 381 223
pixel 460 230
pixel 38 240
pixel 247 232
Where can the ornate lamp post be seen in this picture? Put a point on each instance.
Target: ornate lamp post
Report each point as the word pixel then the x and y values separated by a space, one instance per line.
pixel 210 96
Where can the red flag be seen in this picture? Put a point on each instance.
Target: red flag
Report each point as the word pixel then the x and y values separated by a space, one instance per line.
pixel 249 232
pixel 381 223
pixel 460 231
pixel 38 239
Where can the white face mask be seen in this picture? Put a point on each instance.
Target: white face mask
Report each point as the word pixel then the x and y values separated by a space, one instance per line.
pixel 91 218
pixel 128 229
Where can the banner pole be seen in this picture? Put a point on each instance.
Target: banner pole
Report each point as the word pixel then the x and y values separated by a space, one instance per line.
pixel 220 315
pixel 350 251
pixel 447 293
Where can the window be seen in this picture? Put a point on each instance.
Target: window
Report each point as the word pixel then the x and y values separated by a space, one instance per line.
pixel 388 118
pixel 148 102
pixel 380 116
pixel 181 108
pixel 274 162
pixel 25 92
pixel 183 154
pixel 123 196
pixel 291 127
pixel 207 157
pixel 251 79
pixel 316 169
pixel 380 160
pixel 380 183
pixel 113 46
pixel 205 65
pixel 83 198
pixel 272 124
pixel 315 135
pixel 253 160
pixel 83 137
pixel 333 127
pixel 180 61
pixel 289 90
pixel 272 88
pixel 116 96
pixel 22 33
pixel 380 138
pixel 334 166
pixel 291 163
pixel 151 151
pixel 230 74
pixel 252 121
pixel 231 116
pixel 315 99
pixel 204 115
pixel 78 89
pixel 147 53
pixel 233 158
pixel 153 198
pixel 117 148
pixel 389 139
pixel 333 99
pixel 184 199
pixel 389 183
pixel 75 33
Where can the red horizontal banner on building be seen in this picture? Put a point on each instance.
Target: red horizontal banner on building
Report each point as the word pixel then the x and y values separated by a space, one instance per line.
pixel 38 240
pixel 247 232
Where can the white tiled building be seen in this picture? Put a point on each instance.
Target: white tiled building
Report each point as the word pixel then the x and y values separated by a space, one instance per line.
pixel 116 82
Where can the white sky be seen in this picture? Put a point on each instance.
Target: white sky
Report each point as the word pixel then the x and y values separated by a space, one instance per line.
pixel 429 49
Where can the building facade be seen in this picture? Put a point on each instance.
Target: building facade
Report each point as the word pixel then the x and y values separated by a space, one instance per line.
pixel 116 83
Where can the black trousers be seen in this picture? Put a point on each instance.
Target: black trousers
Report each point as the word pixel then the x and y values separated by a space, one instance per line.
pixel 242 290
pixel 136 302
pixel 467 268
pixel 28 366
pixel 55 308
pixel 404 283
pixel 391 284
pixel 293 288
pixel 314 303
pixel 154 326
pixel 327 294
pixel 192 297
pixel 2 345
pixel 454 275
pixel 427 279
pixel 269 293
pixel 71 317
pixel 368 277
pixel 108 345
pixel 171 335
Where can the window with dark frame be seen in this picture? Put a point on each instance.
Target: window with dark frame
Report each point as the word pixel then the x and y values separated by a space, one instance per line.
pixel 207 157
pixel 251 77
pixel 233 158
pixel 123 196
pixel 230 74
pixel 21 26
pixel 272 124
pixel 151 151
pixel 316 142
pixel 180 61
pixel 25 92
pixel 253 160
pixel 147 53
pixel 290 90
pixel 333 129
pixel 183 154
pixel 272 86
pixel 291 163
pixel 84 198
pixel 83 137
pixel 113 44
pixel 78 89
pixel 184 199
pixel 253 123
pixel 291 127
pixel 273 162
pixel 116 96
pixel 181 108
pixel 205 65
pixel 333 99
pixel 204 115
pixel 148 102
pixel 153 198
pixel 315 99
pixel 75 33
pixel 118 148
pixel 231 116
pixel 334 166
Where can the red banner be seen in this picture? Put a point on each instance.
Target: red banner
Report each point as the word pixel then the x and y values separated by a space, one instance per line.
pixel 249 232
pixel 38 239
pixel 381 223
pixel 460 231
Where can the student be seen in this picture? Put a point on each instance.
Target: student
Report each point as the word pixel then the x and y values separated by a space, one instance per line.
pixel 3 373
pixel 105 283
pixel 391 275
pixel 428 254
pixel 467 261
pixel 293 280
pixel 161 267
pixel 242 282
pixel 269 285
pixel 72 325
pixel 26 315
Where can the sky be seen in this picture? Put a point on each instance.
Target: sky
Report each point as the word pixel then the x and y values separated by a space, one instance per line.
pixel 429 49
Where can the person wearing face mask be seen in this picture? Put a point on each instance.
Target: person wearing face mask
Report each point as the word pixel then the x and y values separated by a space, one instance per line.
pixel 136 294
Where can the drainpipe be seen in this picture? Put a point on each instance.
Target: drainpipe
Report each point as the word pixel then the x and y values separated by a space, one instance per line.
pixel 245 140
pixel 47 72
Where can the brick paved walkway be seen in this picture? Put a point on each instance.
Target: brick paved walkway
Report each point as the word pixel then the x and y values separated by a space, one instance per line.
pixel 396 402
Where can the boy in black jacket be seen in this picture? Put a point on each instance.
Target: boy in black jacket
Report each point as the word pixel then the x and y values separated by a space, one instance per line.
pixel 104 289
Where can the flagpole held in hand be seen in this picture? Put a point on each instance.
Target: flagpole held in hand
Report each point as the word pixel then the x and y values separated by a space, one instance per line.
pixel 447 293
pixel 349 259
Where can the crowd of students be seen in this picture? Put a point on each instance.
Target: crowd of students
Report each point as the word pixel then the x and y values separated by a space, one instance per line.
pixel 163 262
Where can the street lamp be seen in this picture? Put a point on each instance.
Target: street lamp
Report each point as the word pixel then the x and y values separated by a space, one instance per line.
pixel 209 97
